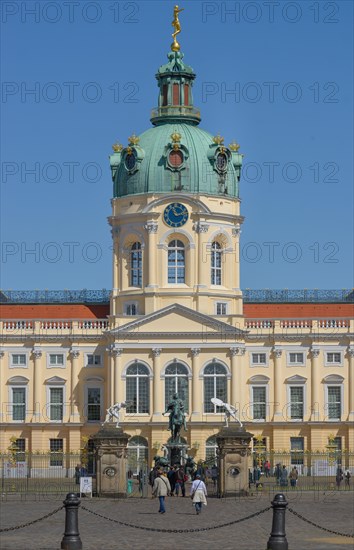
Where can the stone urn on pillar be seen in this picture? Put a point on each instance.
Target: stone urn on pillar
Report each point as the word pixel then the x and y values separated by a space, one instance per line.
pixel 111 461
pixel 234 454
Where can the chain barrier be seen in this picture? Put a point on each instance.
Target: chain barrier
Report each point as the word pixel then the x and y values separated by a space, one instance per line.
pixel 351 536
pixel 32 522
pixel 177 530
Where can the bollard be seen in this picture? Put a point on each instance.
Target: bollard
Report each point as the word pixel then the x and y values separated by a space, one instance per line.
pixel 277 539
pixel 71 539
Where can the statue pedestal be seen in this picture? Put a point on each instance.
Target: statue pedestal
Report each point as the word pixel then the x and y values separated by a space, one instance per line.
pixel 233 461
pixel 111 461
pixel 176 452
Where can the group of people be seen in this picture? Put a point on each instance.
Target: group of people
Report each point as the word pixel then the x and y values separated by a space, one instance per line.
pixel 162 488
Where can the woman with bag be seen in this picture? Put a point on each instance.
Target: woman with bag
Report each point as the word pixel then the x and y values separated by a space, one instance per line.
pixel 161 489
pixel 198 493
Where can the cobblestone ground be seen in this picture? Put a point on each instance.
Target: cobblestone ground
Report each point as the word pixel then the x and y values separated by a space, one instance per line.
pixel 332 510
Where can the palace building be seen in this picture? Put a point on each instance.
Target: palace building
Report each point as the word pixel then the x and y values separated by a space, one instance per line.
pixel 176 319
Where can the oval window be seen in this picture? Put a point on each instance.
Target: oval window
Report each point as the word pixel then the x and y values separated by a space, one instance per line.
pixel 130 162
pixel 221 162
pixel 175 158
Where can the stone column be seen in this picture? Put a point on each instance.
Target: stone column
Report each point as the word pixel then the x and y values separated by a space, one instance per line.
pixel 235 397
pixel 116 274
pixel 157 393
pixel 351 383
pixel 195 381
pixel 315 353
pixel 203 256
pixel 151 227
pixel 116 393
pixel 277 381
pixel 37 354
pixel 74 389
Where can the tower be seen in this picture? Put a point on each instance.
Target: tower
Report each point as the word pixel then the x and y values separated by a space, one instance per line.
pixel 176 209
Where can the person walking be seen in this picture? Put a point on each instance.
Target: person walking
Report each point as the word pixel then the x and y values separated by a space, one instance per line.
pixel 161 489
pixel 180 481
pixel 347 476
pixel 293 476
pixel 339 477
pixel 266 467
pixel 283 481
pixel 171 475
pixel 198 493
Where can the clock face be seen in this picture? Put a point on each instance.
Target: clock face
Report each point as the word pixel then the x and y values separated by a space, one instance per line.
pixel 175 215
pixel 130 162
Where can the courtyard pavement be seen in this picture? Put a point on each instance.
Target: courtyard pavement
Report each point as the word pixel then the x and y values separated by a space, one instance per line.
pixel 332 510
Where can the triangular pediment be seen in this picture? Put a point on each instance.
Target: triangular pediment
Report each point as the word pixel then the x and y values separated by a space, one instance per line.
pixel 177 320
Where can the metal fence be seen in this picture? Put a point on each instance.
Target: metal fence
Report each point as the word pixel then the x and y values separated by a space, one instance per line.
pixel 54 474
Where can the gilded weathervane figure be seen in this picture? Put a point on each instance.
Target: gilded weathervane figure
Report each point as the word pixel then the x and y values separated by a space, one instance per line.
pixel 175 47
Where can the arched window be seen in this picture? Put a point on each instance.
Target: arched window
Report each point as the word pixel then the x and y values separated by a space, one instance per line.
pixel 136 265
pixel 137 454
pixel 210 450
pixel 216 258
pixel 215 385
pixel 176 262
pixel 137 388
pixel 176 381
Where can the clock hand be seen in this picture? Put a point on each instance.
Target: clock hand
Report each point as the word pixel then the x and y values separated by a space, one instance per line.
pixel 176 213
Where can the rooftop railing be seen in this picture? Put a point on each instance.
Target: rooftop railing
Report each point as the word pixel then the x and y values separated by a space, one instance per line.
pixel 250 296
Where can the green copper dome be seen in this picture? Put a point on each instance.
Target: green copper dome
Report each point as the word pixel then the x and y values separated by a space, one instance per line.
pixel 176 155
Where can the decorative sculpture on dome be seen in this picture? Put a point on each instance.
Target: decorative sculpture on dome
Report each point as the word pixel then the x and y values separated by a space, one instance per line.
pixel 175 47
pixel 234 146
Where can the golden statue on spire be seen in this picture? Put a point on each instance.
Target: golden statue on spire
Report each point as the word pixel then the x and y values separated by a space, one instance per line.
pixel 175 47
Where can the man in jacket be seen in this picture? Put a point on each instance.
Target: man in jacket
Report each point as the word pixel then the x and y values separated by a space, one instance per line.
pixel 161 489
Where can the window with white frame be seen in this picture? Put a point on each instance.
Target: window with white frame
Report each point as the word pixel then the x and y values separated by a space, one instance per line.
pixel 176 262
pixel 56 404
pixel 296 358
pixel 138 388
pixel 136 265
pixel 176 381
pixel 334 402
pixel 215 385
pixel 259 402
pixel 131 308
pixel 221 308
pixel 137 454
pixel 20 455
pixel 18 404
pixel 211 448
pixel 93 360
pixel 296 394
pixel 18 360
pixel 55 359
pixel 94 404
pixel 216 263
pixel 56 448
pixel 259 359
pixel 333 358
pixel 297 451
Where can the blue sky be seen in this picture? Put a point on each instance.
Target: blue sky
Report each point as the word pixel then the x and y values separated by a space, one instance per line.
pixel 92 66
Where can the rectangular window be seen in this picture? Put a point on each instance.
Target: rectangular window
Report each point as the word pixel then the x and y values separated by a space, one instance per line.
pixel 296 358
pixel 131 309
pixel 259 399
pixel 334 402
pixel 93 360
pixel 56 452
pixel 93 404
pixel 297 450
pixel 334 358
pixel 259 359
pixel 164 95
pixel 221 308
pixel 56 359
pixel 19 359
pixel 19 404
pixel 296 402
pixel 186 94
pixel 56 404
pixel 21 453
